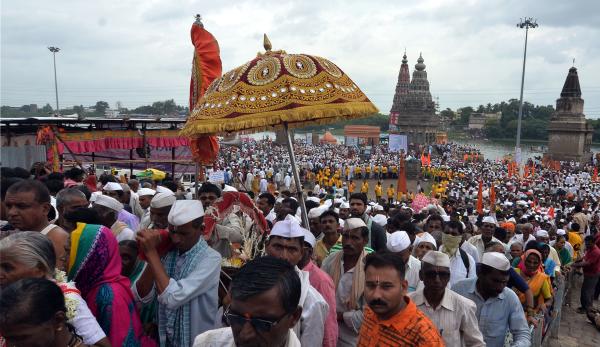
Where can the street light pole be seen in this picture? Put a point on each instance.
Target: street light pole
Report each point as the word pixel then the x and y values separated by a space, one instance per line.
pixel 55 50
pixel 527 23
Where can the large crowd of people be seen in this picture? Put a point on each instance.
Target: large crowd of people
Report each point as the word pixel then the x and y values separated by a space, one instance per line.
pixel 473 257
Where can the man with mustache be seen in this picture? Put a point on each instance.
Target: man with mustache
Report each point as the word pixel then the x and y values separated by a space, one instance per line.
pixel 346 268
pixel 452 314
pixel 391 318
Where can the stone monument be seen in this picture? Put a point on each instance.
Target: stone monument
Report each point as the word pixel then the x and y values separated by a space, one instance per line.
pixel 413 110
pixel 569 135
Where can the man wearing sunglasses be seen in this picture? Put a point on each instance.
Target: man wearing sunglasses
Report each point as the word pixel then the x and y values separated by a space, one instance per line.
pixel 264 308
pixel 286 242
pixel 453 314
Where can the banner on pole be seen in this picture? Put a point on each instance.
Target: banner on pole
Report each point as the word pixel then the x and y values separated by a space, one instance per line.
pixel 398 143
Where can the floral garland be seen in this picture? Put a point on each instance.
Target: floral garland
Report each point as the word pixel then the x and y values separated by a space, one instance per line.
pixel 70 303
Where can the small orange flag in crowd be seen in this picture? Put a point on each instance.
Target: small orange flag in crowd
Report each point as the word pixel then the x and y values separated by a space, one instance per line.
pixel 401 185
pixel 595 177
pixel 480 198
pixel 492 197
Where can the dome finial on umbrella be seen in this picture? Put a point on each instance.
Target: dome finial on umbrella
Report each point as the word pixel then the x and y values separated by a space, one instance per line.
pixel 267 43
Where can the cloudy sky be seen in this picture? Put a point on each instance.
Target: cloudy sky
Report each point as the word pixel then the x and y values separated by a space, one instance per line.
pixel 137 52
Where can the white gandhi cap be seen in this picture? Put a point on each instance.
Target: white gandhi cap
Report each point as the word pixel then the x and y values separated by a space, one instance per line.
pixel 185 211
pixel 496 260
pixel 398 241
pixel 436 258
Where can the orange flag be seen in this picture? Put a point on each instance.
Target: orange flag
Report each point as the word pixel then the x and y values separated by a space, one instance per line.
pixel 401 185
pixel 492 197
pixel 551 212
pixel 480 198
pixel 595 177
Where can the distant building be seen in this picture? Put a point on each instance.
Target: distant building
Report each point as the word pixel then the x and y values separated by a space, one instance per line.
pixel 569 135
pixel 361 135
pixel 33 108
pixel 413 109
pixel 477 120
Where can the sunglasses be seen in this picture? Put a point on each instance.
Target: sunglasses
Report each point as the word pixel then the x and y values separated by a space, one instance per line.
pixel 260 325
pixel 443 275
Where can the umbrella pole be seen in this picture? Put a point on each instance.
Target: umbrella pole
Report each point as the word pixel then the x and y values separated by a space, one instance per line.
pixel 299 190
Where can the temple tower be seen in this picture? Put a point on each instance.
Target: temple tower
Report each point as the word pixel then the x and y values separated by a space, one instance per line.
pixel 413 109
pixel 569 135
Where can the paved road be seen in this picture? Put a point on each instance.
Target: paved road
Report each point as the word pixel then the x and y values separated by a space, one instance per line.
pixel 575 329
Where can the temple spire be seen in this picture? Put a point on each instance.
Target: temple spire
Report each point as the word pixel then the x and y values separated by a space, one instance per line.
pixel 571 87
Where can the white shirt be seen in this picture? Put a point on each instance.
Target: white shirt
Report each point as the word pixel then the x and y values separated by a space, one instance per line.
pixel 458 271
pixel 311 326
pixel 84 321
pixel 412 273
pixel 471 250
pixel 477 241
pixel 519 238
pixel 224 338
pixel 455 317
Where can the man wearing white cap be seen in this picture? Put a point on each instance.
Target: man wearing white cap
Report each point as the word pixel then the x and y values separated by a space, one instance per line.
pixel 543 237
pixel 286 241
pixel 423 244
pixel 185 282
pixel 399 243
pixel 229 230
pixel 377 235
pixel 462 265
pixel 453 314
pixel 344 210
pixel 324 285
pixel 108 209
pixel 145 196
pixel 488 227
pixel 160 206
pixel 314 220
pixel 498 307
pixel 115 190
pixel 346 268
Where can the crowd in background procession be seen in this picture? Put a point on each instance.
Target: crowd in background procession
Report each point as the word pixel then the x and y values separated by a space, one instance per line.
pixel 113 261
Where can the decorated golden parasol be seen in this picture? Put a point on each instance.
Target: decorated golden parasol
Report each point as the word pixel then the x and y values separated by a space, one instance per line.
pixel 277 90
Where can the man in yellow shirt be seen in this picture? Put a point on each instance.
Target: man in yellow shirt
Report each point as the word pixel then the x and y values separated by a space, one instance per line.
pixel 390 194
pixel 351 187
pixel 365 187
pixel 378 191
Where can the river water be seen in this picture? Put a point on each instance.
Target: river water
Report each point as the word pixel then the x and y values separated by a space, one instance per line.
pixel 491 149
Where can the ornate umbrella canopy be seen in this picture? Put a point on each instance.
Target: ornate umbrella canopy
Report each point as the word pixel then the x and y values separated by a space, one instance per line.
pixel 274 89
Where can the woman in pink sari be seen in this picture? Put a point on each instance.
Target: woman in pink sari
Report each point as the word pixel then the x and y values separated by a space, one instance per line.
pixel 95 266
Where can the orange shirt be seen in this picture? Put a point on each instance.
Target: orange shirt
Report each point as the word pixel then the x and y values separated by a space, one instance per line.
pixel 409 327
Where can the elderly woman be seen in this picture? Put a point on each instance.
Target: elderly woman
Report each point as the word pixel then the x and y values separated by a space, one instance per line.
pixel 563 253
pixel 30 254
pixel 530 268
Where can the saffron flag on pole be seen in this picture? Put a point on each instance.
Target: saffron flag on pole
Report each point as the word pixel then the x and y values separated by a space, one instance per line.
pixel 480 198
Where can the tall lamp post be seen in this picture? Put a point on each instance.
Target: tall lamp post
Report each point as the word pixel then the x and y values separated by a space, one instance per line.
pixel 527 23
pixel 55 50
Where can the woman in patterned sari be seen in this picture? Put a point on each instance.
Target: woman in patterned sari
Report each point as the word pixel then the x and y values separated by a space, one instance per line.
pixel 530 268
pixel 95 266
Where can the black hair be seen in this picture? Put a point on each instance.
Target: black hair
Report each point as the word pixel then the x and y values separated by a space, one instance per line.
pixel 329 213
pixel 55 176
pixel 533 245
pixel 399 218
pixel 589 238
pixel 292 203
pixel 6 183
pixel 311 204
pixel 105 178
pixel 208 187
pixel 385 259
pixel 270 198
pixel 500 233
pixel 575 226
pixel 83 215
pixel 359 196
pixel 85 190
pixel 42 195
pixel 197 223
pixel 6 172
pixel 455 225
pixel 21 173
pixel 409 227
pixel 173 186
pixel 30 301
pixel 435 217
pixel 74 173
pixel 54 186
pixel 130 244
pixel 262 274
pixel 578 208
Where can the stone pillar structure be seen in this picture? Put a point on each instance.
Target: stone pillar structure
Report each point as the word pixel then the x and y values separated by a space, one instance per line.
pixel 569 135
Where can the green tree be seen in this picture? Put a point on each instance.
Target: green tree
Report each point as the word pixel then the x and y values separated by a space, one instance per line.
pixel 101 107
pixel 465 114
pixel 47 109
